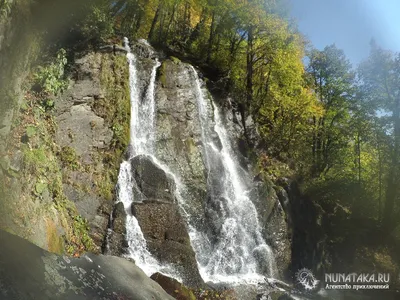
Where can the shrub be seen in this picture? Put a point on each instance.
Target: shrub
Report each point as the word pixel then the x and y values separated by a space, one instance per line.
pixel 50 78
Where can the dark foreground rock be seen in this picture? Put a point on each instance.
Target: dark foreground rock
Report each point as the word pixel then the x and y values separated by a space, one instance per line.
pixel 173 287
pixel 29 272
pixel 181 292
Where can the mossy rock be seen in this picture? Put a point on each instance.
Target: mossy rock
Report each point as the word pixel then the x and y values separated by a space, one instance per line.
pixel 55 243
pixel 175 60
pixel 162 74
pixel 69 158
pixel 173 287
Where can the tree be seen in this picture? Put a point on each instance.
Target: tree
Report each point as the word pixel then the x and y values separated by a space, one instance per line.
pixel 333 82
pixel 380 75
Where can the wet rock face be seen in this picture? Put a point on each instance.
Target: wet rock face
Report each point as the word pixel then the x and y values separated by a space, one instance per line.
pixel 178 133
pixel 160 220
pixel 29 272
pixel 167 238
pixel 153 182
pixel 273 219
pixel 116 243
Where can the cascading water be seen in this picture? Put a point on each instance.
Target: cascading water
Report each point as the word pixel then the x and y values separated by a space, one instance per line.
pixel 141 142
pixel 234 250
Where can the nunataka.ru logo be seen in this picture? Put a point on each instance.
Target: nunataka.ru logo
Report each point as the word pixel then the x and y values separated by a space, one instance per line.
pixel 307 279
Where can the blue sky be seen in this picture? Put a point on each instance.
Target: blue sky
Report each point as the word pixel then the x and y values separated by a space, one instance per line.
pixel 350 24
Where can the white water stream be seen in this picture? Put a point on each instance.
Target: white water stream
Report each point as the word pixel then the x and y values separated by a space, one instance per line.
pixel 141 142
pixel 237 252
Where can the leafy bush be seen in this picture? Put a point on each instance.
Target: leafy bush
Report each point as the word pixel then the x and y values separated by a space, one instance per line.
pixel 5 7
pixel 98 25
pixel 50 78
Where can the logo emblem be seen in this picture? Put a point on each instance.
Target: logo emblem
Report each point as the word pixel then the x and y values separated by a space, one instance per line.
pixel 306 278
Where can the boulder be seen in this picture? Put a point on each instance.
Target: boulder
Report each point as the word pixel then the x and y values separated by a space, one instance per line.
pixel 152 181
pixel 167 238
pixel 161 221
pixel 29 272
pixel 173 287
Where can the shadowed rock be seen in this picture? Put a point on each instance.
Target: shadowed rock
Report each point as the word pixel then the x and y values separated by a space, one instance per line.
pixel 160 220
pixel 167 238
pixel 152 181
pixel 29 272
pixel 173 287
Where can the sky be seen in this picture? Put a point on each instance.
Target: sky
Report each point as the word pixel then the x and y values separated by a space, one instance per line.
pixel 350 24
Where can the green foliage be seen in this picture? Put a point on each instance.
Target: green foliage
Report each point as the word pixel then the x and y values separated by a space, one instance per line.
pixel 81 230
pixel 31 131
pixel 48 104
pixel 51 77
pixel 40 187
pixel 5 7
pixel 35 160
pixel 69 158
pixel 175 59
pixel 380 75
pixel 115 107
pixel 98 25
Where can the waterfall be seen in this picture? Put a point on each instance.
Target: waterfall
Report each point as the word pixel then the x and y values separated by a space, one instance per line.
pixel 235 251
pixel 141 142
pixel 232 250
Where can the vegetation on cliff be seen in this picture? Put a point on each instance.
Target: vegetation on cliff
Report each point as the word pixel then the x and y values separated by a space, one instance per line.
pixel 335 125
pixel 334 122
pixel 338 127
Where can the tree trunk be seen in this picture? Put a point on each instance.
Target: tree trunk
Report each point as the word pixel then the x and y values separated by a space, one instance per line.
pixel 211 38
pixel 170 21
pixel 359 157
pixel 154 22
pixel 249 60
pixel 390 221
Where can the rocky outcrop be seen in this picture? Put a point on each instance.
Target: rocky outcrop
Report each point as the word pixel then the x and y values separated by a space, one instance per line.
pixel 161 222
pixel 67 156
pixel 173 287
pixel 152 182
pixel 115 243
pixel 28 272
pixel 179 133
pixel 86 139
pixel 273 219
